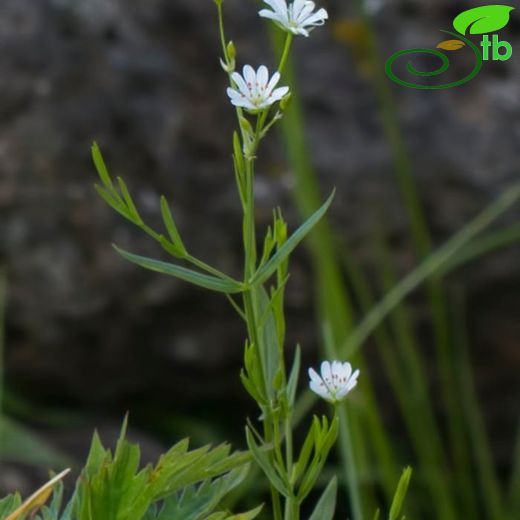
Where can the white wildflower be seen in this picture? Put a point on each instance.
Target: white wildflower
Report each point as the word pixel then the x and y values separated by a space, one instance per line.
pixel 254 90
pixel 335 382
pixel 298 17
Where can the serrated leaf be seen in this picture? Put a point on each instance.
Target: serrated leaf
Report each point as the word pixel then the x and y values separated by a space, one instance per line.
pixel 326 505
pixel 451 45
pixel 188 275
pixel 483 20
pixel 286 249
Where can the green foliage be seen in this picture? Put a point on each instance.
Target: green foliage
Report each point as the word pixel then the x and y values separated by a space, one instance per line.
pixel 9 504
pixel 326 505
pixel 113 487
pixel 188 484
pixel 400 494
pixel 201 280
pixel 121 201
pixel 288 246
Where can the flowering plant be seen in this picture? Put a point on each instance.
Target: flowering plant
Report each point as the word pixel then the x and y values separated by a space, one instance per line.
pixel 188 484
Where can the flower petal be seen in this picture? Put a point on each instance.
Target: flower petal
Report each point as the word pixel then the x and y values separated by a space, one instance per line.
pixel 297 8
pixel 317 18
pixel 321 390
pixel 265 13
pixel 314 375
pixel 346 371
pixel 278 94
pixel 262 77
pixel 273 82
pixel 326 372
pixel 278 6
pixel 249 76
pixel 240 83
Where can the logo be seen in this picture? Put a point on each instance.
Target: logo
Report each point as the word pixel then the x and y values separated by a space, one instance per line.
pixel 478 21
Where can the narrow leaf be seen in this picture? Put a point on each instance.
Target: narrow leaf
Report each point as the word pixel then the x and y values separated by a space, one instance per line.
pixel 129 202
pixel 188 275
pixel 400 494
pixel 101 168
pixel 170 224
pixel 249 515
pixel 115 204
pixel 326 505
pixel 283 252
pixel 263 461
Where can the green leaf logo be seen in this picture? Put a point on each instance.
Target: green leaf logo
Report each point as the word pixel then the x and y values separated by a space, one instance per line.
pixel 483 20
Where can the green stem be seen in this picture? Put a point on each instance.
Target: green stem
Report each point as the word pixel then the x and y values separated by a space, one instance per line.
pixel 349 464
pixel 205 267
pixel 221 33
pixel 285 53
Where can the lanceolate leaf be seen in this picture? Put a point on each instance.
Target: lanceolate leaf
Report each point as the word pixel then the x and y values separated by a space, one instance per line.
pixel 263 461
pixel 101 167
pixel 326 505
pixel 170 225
pixel 188 275
pixel 400 494
pixel 483 20
pixel 287 248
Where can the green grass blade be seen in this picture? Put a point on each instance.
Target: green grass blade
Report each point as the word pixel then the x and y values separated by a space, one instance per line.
pixel 478 439
pixel 400 494
pixel 487 244
pixel 431 266
pixel 514 485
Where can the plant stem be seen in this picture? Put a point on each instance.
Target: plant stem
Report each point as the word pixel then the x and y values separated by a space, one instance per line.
pixel 349 463
pixel 285 53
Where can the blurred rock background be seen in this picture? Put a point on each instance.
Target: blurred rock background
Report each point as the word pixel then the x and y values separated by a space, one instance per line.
pixel 92 336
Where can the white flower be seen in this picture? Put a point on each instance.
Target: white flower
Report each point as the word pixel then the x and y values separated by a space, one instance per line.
pixel 298 17
pixel 335 382
pixel 254 90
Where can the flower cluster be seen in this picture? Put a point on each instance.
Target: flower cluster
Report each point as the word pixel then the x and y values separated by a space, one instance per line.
pixel 335 382
pixel 253 90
